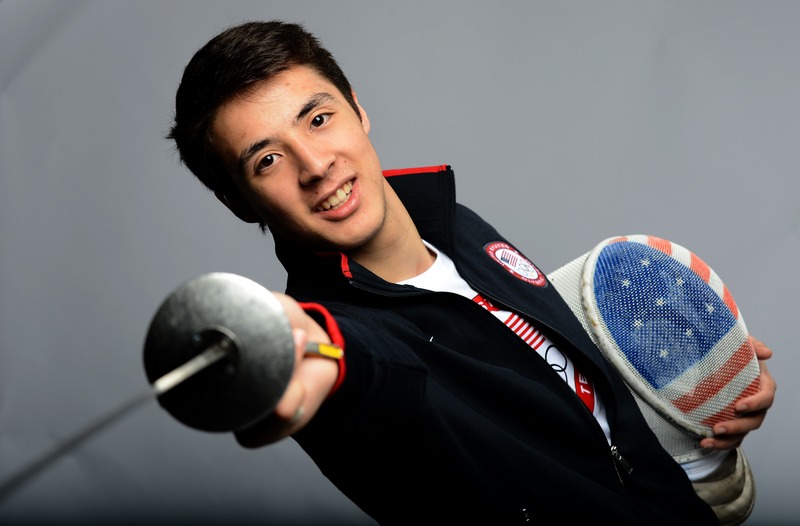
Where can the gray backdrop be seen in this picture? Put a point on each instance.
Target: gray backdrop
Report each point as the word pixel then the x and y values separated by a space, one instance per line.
pixel 566 122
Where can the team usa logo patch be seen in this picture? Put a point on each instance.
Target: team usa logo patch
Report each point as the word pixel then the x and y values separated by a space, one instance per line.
pixel 514 262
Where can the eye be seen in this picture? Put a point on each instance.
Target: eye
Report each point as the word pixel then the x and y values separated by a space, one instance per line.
pixel 265 162
pixel 320 119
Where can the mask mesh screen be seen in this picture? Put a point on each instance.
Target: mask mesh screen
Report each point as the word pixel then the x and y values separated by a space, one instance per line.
pixel 666 321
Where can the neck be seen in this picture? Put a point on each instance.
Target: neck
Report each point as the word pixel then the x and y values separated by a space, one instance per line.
pixel 398 253
pixel 397 264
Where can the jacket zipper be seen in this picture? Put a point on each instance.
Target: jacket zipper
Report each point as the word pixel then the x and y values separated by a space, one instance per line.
pixel 620 460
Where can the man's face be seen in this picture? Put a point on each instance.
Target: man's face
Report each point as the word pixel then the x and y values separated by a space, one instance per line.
pixel 301 160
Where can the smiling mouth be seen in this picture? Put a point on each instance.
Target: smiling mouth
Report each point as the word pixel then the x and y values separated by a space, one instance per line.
pixel 338 198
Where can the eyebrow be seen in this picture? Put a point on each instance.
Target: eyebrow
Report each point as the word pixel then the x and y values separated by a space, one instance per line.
pixel 316 100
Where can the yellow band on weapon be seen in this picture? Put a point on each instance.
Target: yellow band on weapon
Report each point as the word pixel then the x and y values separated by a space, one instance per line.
pixel 327 350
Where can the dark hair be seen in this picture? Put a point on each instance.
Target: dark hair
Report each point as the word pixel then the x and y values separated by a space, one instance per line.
pixel 226 66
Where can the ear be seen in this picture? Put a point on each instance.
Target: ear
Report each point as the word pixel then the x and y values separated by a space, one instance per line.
pixel 364 117
pixel 236 204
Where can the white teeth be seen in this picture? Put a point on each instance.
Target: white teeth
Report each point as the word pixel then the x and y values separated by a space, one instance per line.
pixel 338 198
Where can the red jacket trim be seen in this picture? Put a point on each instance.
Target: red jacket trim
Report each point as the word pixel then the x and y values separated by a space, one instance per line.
pixel 423 169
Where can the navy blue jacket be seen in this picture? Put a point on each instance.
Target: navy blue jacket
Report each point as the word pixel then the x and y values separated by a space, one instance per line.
pixel 445 416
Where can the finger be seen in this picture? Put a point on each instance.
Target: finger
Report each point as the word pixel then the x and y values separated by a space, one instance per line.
pixel 763 399
pixel 722 442
pixel 291 402
pixel 300 337
pixel 762 351
pixel 741 425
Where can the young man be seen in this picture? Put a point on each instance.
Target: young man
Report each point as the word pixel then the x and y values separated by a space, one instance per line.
pixel 437 411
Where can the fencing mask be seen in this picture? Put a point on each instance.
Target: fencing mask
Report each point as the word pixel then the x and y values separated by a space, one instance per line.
pixel 664 319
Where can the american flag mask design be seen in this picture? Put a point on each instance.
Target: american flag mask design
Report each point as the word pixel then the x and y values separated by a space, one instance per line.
pixel 668 323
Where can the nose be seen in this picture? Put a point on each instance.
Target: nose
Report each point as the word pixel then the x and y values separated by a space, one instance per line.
pixel 315 161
